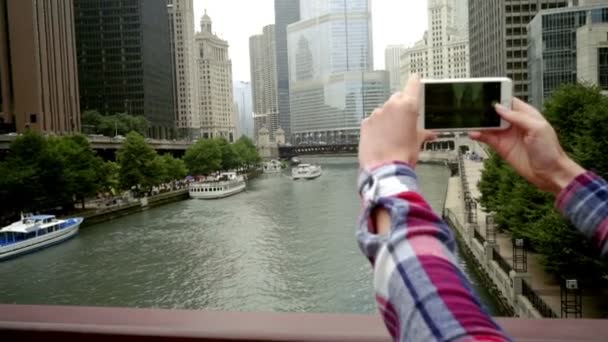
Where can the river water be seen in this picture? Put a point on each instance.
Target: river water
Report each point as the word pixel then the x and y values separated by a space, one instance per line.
pixel 279 246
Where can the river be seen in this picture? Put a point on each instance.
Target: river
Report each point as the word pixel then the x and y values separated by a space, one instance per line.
pixel 279 246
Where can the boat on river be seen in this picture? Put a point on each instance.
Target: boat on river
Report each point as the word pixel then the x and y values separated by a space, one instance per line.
pixel 34 232
pixel 306 171
pixel 273 166
pixel 224 185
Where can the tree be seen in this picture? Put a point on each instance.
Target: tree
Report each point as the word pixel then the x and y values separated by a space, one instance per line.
pixel 111 125
pixel 109 181
pixel 204 157
pixel 81 167
pixel 33 177
pixel 138 164
pixel 173 168
pixel 230 159
pixel 246 151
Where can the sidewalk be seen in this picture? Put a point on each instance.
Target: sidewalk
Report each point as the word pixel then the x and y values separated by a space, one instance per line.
pixel 547 287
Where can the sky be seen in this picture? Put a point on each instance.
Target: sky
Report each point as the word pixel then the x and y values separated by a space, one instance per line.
pixel 393 22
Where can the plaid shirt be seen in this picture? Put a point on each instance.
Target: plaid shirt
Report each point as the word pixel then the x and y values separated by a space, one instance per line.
pixel 421 292
pixel 585 203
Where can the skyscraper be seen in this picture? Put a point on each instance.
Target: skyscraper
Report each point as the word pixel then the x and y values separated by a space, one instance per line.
pixel 330 71
pixel 38 73
pixel 242 98
pixel 566 45
pixel 392 64
pixel 181 27
pixel 498 38
pixel 124 60
pixel 443 52
pixel 214 71
pixel 285 12
pixel 264 77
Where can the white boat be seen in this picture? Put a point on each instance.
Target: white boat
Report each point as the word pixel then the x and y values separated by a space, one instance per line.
pixel 226 184
pixel 35 232
pixel 306 171
pixel 273 166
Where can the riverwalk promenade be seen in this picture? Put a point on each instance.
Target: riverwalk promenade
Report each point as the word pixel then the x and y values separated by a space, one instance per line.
pixel 532 293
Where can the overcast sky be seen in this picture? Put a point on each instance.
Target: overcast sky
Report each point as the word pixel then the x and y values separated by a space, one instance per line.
pixel 394 22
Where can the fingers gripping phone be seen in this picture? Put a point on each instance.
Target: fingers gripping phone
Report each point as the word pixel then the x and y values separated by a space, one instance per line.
pixel 464 104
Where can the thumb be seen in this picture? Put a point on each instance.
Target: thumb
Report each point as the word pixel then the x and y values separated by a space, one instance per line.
pixel 488 137
pixel 426 135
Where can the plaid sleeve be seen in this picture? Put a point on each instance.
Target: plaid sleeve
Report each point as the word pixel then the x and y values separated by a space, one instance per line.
pixel 585 202
pixel 421 292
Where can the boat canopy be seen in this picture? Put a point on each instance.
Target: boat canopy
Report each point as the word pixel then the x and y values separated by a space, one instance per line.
pixel 27 224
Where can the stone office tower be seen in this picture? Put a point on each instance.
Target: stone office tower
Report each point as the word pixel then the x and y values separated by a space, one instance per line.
pixel 214 68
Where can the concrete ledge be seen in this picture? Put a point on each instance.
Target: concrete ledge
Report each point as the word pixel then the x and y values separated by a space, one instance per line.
pixel 74 323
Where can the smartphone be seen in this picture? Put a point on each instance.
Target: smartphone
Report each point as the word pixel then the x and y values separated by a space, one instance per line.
pixel 464 104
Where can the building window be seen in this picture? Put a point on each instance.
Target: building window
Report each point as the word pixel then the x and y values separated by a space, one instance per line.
pixel 33 118
pixel 603 68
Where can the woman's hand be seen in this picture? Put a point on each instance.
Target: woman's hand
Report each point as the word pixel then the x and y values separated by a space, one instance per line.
pixel 531 147
pixel 390 133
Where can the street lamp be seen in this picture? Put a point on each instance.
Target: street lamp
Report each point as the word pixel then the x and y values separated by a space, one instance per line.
pixel 520 256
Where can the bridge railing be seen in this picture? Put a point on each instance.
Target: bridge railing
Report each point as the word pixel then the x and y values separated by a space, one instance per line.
pixel 77 323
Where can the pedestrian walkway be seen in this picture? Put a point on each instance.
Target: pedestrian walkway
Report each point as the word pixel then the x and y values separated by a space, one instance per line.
pixel 595 305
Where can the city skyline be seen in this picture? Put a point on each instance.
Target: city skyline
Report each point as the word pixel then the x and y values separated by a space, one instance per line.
pixel 393 22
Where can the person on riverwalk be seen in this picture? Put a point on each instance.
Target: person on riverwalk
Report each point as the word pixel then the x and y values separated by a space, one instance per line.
pixel 421 292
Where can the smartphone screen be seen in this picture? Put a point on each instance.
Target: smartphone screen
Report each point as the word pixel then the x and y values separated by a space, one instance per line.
pixel 461 105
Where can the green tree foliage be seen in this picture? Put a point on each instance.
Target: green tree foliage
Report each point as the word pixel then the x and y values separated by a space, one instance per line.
pixel 82 169
pixel 230 159
pixel 173 168
pixel 247 152
pixel 211 155
pixel 579 115
pixel 204 157
pixel 41 174
pixel 110 177
pixel 110 125
pixel 139 165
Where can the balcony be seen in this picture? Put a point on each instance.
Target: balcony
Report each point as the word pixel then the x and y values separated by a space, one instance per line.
pixel 72 323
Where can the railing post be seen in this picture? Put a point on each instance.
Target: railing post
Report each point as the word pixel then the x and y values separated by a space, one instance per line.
pixel 520 256
pixel 516 280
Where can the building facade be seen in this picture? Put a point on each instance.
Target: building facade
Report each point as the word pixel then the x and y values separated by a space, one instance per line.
pixel 285 12
pixel 181 28
pixel 214 72
pixel 331 71
pixel 498 38
pixel 443 52
pixel 567 45
pixel 38 72
pixel 124 60
pixel 262 54
pixel 392 64
pixel 244 106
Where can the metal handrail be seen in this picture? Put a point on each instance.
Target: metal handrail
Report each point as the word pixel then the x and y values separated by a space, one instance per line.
pixel 537 302
pixel 477 235
pixel 502 263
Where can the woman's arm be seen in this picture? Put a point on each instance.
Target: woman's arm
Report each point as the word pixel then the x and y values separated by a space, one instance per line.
pixel 421 292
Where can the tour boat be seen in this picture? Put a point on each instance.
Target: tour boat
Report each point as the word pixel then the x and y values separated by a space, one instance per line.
pixel 226 184
pixel 273 166
pixel 35 232
pixel 306 171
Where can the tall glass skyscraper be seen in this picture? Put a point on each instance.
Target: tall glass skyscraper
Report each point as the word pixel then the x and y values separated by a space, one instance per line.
pixel 124 60
pixel 285 12
pixel 332 82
